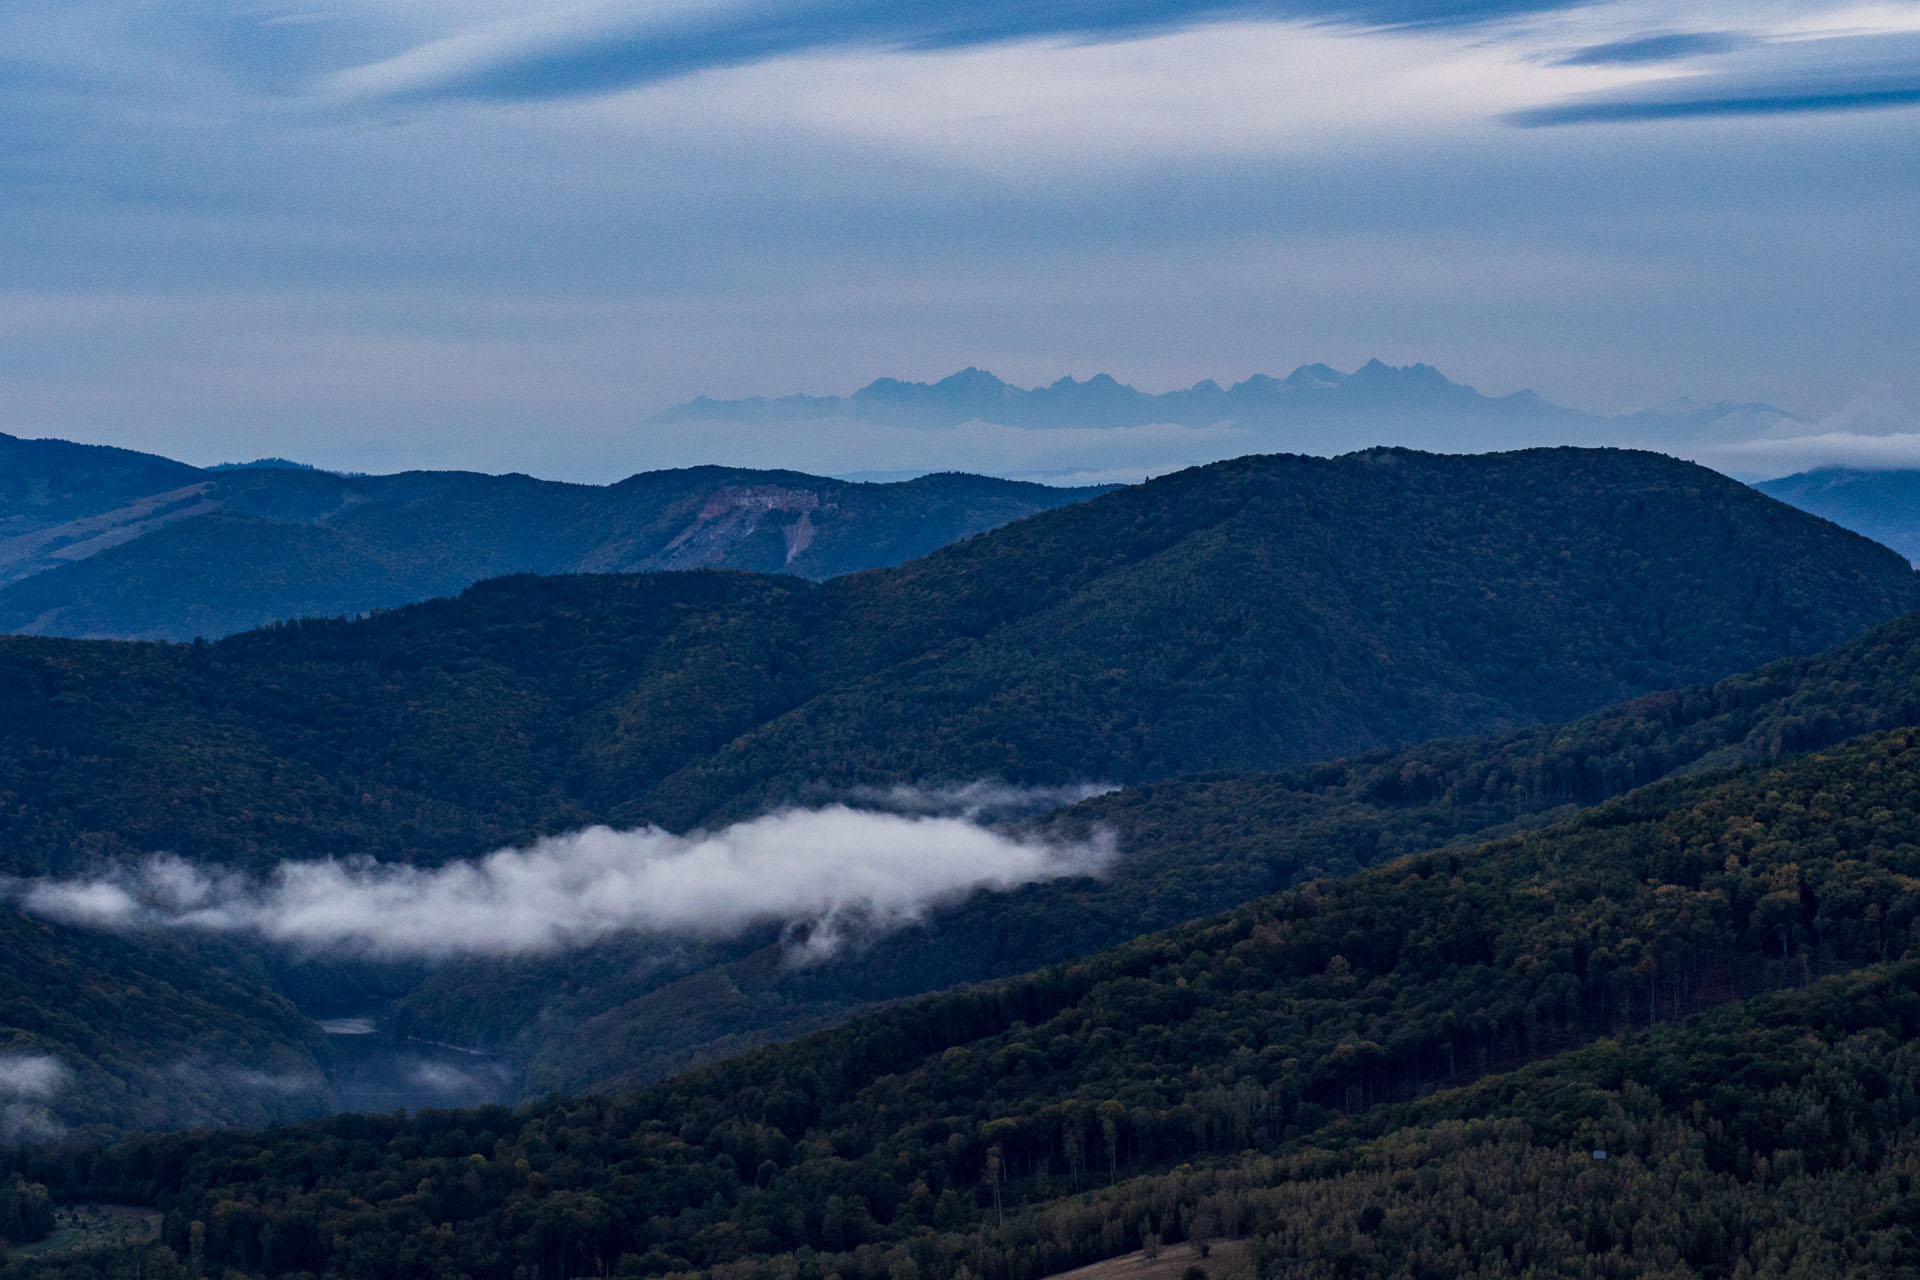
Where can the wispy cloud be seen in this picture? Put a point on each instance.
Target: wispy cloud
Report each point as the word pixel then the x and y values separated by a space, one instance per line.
pixel 597 48
pixel 823 873
pixel 28 1082
pixel 208 1074
pixel 1663 47
pixel 1778 77
pixel 979 801
pixel 382 235
pixel 1876 431
pixel 1766 459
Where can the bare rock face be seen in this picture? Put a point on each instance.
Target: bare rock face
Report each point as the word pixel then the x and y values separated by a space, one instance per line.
pixel 737 512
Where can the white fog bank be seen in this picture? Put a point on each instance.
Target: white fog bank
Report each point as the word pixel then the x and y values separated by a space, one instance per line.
pixel 822 872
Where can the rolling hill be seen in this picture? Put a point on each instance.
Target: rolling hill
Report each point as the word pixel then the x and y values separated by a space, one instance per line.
pixel 1251 614
pixel 1674 1031
pixel 1203 621
pixel 1192 845
pixel 107 543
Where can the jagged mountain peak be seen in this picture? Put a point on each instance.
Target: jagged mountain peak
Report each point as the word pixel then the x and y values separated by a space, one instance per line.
pixel 973 380
pixel 1314 375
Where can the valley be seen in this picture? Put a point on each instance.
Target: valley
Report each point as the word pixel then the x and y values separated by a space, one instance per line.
pixel 1319 866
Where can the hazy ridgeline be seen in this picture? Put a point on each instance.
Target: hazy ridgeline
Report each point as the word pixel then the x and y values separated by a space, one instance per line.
pixel 108 543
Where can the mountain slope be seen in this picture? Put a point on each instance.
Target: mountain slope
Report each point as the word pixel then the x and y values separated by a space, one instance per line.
pixel 1100 401
pixel 45 483
pixel 1273 610
pixel 1883 505
pixel 148 1032
pixel 534 705
pixel 1282 1025
pixel 224 550
pixel 1251 614
pixel 1190 846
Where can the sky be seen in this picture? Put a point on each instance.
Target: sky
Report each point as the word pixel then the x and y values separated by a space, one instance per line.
pixel 501 234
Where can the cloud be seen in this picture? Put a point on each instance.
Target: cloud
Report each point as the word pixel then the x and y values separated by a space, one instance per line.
pixel 485 1082
pixel 28 1081
pixel 984 801
pixel 208 1074
pixel 823 873
pixel 1872 432
pixel 31 1075
pixel 1789 76
pixel 1656 48
pixel 210 255
pixel 598 48
pixel 1769 458
pixel 1785 100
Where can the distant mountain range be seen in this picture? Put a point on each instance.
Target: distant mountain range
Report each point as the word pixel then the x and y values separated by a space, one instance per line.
pixel 110 543
pixel 1883 505
pixel 1314 409
pixel 101 542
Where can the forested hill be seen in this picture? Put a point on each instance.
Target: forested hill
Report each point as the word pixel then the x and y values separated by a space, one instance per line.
pixel 1277 1069
pixel 110 543
pixel 1254 613
pixel 139 1030
pixel 1085 642
pixel 1191 846
pixel 1279 609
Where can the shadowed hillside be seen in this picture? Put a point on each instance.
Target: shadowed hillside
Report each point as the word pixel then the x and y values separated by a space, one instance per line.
pixel 1209 619
pixel 1191 846
pixel 1250 614
pixel 107 543
pixel 1274 1071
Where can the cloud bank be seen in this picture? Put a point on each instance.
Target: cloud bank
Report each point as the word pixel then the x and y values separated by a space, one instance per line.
pixel 379 236
pixel 825 874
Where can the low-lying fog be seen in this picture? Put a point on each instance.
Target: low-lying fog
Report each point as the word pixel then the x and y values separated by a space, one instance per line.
pixel 868 862
pixel 821 872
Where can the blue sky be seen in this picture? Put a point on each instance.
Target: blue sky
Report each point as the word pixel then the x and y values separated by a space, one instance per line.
pixel 499 234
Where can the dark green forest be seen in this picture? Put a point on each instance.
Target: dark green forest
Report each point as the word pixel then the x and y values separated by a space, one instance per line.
pixel 1444 1039
pixel 1190 623
pixel 1193 846
pixel 155 1030
pixel 1596 993
pixel 1252 614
